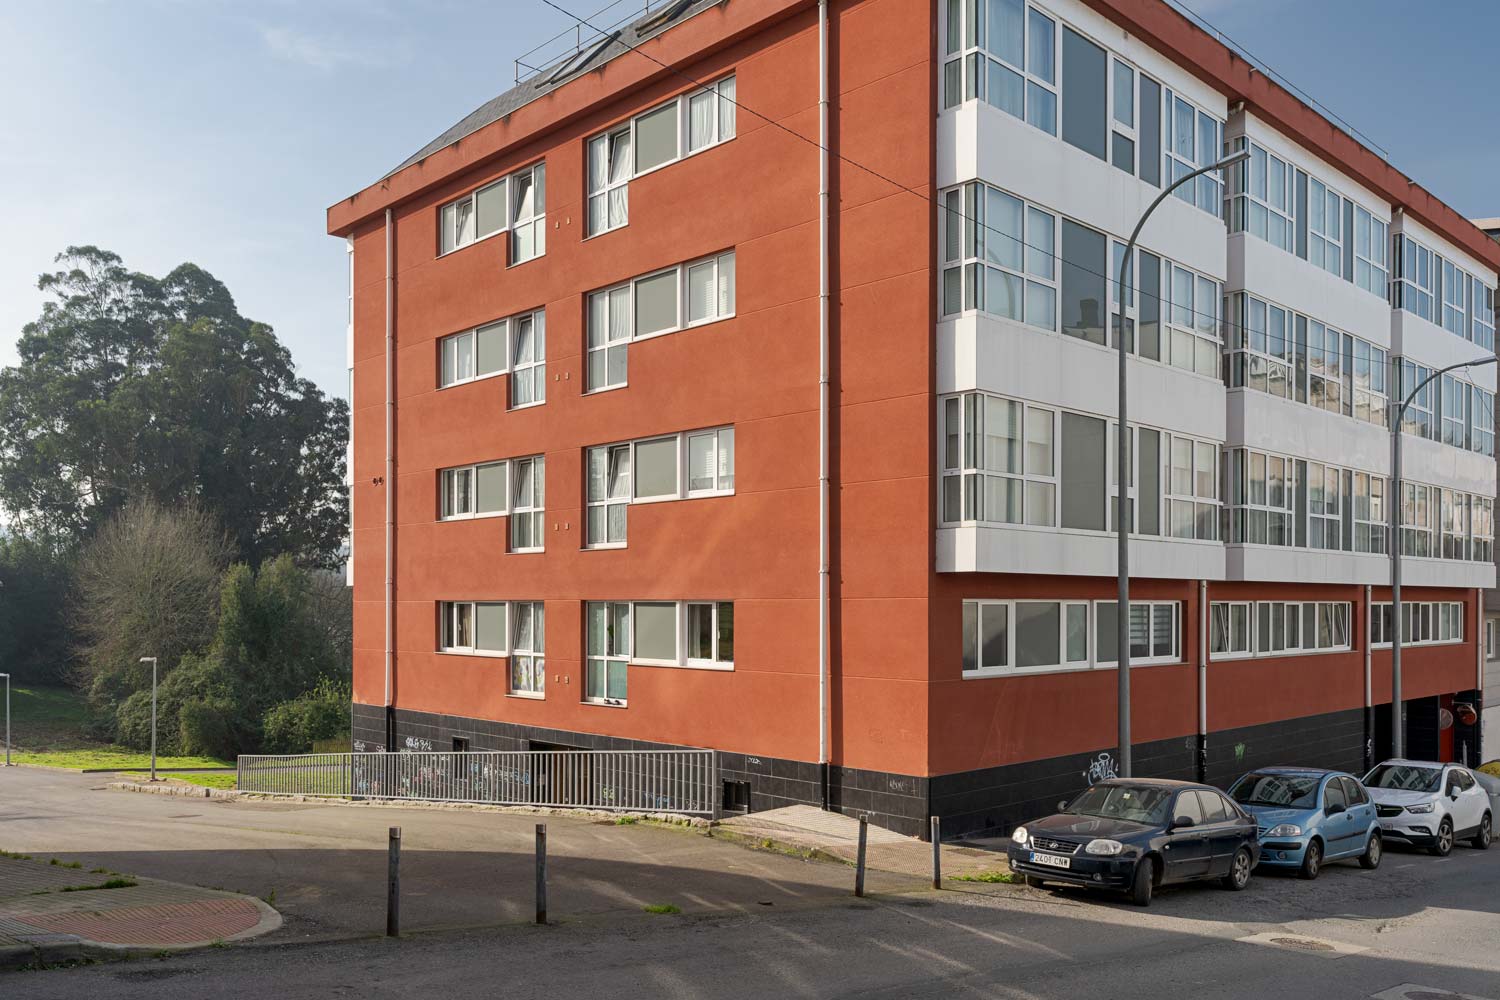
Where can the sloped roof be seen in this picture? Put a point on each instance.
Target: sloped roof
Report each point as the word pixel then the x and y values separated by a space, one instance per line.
pixel 594 53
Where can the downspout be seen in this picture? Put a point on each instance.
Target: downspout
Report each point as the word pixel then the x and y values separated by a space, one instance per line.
pixel 390 482
pixel 1203 616
pixel 1369 699
pixel 823 414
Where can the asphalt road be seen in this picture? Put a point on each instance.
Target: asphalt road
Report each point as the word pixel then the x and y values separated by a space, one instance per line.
pixel 1421 922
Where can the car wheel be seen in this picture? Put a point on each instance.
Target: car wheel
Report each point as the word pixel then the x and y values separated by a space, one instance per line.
pixel 1239 871
pixel 1032 882
pixel 1481 841
pixel 1373 850
pixel 1312 860
pixel 1443 846
pixel 1140 888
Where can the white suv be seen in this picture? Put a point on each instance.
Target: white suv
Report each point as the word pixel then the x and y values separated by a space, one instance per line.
pixel 1429 804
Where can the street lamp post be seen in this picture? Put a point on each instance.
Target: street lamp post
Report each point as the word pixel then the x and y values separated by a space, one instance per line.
pixel 7 720
pixel 1123 516
pixel 152 660
pixel 1398 722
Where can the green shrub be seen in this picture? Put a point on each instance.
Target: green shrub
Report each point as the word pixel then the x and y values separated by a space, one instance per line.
pixel 320 714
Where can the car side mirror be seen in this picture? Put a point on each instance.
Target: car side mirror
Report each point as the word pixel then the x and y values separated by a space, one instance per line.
pixel 1062 805
pixel 1182 821
pixel 1334 810
pixel 1455 794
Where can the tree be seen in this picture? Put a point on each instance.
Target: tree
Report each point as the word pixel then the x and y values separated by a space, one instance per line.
pixel 146 585
pixel 134 386
pixel 35 641
pixel 269 646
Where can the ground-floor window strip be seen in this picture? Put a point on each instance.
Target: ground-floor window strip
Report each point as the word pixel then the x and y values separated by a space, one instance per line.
pixel 1423 623
pixel 1275 628
pixel 619 634
pixel 1003 637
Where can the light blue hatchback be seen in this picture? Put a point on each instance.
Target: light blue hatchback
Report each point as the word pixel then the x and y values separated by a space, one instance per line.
pixel 1309 816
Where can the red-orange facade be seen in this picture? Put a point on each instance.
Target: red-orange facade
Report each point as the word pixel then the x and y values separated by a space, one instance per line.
pixel 902 717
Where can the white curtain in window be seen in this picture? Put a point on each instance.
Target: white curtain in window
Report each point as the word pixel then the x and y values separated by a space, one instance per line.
pixel 701 131
pixel 701 298
pixel 726 284
pixel 726 108
pixel 619 314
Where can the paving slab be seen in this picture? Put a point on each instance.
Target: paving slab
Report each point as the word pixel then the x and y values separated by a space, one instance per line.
pixel 808 829
pixel 51 913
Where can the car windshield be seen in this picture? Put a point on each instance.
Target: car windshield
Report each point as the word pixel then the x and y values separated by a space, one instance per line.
pixel 1292 791
pixel 1137 803
pixel 1405 777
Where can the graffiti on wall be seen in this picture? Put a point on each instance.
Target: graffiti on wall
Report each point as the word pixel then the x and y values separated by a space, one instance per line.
pixel 1101 767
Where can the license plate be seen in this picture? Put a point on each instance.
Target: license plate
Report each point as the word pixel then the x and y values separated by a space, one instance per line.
pixel 1051 860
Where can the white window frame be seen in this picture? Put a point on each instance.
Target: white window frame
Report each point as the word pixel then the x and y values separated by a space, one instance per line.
pixel 600 343
pixel 1174 655
pixel 615 655
pixel 1425 623
pixel 1375 522
pixel 968 239
pixel 724 481
pixel 1481 314
pixel 967 56
pixel 1253 207
pixel 447 220
pixel 1010 609
pixel 604 500
pixel 1279 628
pixel 1325 245
pixel 1231 621
pixel 533 369
pixel 1240 479
pixel 716 660
pixel 1414 279
pixel 448 614
pixel 1489 638
pixel 1455 309
pixel 506 328
pixel 1205 507
pixel 1330 518
pixel 529 471
pixel 528 662
pixel 1372 252
pixel 1209 187
pixel 534 222
pixel 725 127
pixel 449 481
pixel 680 612
pixel 1039 491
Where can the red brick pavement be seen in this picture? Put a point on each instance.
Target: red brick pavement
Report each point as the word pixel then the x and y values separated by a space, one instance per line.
pixel 166 924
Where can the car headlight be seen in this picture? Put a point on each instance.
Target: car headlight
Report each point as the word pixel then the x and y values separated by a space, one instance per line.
pixel 1425 807
pixel 1020 836
pixel 1286 830
pixel 1109 848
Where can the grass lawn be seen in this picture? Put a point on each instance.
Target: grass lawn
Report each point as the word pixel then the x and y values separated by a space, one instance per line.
pixel 206 780
pixel 113 757
pixel 49 718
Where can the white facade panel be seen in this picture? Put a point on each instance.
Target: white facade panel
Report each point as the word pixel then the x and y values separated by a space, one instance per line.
pixel 1287 280
pixel 989 549
pixel 1284 427
pixel 991 354
pixel 1280 564
pixel 1426 343
pixel 1425 461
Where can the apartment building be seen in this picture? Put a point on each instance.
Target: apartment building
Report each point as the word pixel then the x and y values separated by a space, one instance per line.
pixel 595 480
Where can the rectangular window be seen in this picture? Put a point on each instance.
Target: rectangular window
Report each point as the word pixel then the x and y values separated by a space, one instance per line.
pixel 1262 194
pixel 683 296
pixel 998 461
pixel 476 627
pixel 608 651
pixel 528 662
pixel 1240 629
pixel 687 465
pixel 516 202
pixel 1414 285
pixel 999 256
pixel 1085 94
pixel 516 345
pixel 528 229
pixel 683 126
pixel 1084 266
pixel 1193 139
pixel 709 633
pixel 1372 242
pixel 1482 315
pixel 1082 478
pixel 1423 623
pixel 528 509
pixel 1154 633
pixel 528 366
pixel 1004 53
pixel 472 491
pixel 1003 637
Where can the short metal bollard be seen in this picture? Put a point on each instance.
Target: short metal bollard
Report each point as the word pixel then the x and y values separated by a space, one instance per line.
pixel 859 865
pixel 393 885
pixel 937 853
pixel 541 873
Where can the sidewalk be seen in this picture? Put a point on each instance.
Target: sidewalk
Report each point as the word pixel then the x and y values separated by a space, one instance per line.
pixel 56 913
pixel 813 832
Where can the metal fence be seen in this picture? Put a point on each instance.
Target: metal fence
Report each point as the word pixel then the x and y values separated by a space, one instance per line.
pixel 674 781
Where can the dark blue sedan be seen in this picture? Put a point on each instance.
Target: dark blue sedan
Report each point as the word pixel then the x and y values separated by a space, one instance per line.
pixel 1136 834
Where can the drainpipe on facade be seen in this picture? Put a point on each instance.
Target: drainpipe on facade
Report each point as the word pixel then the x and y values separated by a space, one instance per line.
pixel 1369 756
pixel 1203 615
pixel 390 484
pixel 823 415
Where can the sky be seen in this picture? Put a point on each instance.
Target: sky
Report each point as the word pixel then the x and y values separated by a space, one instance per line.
pixel 219 132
